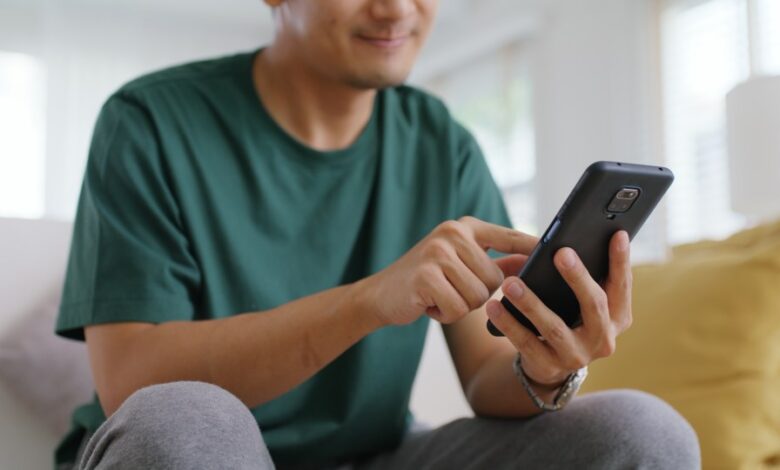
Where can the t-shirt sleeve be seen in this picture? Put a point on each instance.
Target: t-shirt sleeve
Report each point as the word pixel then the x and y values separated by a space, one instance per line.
pixel 130 259
pixel 478 194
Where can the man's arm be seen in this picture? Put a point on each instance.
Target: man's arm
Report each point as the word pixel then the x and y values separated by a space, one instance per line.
pixel 256 356
pixel 259 356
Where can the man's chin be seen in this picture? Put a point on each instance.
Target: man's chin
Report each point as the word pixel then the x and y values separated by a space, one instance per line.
pixel 378 77
pixel 378 80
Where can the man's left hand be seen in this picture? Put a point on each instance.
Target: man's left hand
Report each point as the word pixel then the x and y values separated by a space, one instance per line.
pixel 606 312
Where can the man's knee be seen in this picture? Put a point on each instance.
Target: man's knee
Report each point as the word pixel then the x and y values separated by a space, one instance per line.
pixel 188 405
pixel 178 425
pixel 627 427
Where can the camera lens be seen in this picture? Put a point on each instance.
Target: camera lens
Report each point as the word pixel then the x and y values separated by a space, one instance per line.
pixel 623 200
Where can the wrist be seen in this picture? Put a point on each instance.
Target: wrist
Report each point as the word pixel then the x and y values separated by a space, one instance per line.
pixel 364 306
pixel 563 392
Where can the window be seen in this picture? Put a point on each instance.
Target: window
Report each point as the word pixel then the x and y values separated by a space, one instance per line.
pixel 491 97
pixel 767 18
pixel 708 47
pixel 22 135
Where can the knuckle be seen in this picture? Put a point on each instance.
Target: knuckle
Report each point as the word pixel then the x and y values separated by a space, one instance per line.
pixel 479 297
pixel 467 219
pixel 626 321
pixel 629 281
pixel 495 279
pixel 426 275
pixel 607 347
pixel 451 228
pixel 437 249
pixel 599 302
pixel 524 343
pixel 556 333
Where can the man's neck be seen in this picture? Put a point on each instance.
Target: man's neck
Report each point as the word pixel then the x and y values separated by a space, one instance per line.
pixel 321 113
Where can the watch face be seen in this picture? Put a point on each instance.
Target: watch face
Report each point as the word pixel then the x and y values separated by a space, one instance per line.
pixel 570 388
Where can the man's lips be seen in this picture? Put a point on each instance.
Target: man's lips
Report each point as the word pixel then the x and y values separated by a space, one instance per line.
pixel 387 42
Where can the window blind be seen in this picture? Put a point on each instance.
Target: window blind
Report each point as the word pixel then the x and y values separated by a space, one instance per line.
pixel 705 52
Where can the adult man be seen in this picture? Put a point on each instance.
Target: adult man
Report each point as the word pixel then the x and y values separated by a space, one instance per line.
pixel 304 189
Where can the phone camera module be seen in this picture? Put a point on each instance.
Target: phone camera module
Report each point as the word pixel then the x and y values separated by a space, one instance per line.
pixel 623 200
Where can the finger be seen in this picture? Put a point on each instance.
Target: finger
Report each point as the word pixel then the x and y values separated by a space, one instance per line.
pixel 512 264
pixel 552 328
pixel 449 302
pixel 471 288
pixel 526 343
pixel 620 280
pixel 503 239
pixel 478 262
pixel 594 307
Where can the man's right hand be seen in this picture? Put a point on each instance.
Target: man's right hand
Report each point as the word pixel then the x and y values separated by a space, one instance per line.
pixel 448 273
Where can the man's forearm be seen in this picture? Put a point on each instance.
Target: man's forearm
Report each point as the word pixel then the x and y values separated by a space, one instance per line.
pixel 256 356
pixel 495 390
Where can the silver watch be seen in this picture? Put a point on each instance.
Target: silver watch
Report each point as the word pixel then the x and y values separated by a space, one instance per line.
pixel 565 393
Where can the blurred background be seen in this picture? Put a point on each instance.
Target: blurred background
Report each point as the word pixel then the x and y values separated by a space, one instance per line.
pixel 546 86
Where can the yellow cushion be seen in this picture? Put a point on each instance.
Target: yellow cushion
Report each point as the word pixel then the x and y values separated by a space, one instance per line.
pixel 706 338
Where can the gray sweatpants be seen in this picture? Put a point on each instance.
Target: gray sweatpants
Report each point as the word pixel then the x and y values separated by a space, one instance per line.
pixel 193 425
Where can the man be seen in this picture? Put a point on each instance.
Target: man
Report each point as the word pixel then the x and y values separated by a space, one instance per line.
pixel 260 242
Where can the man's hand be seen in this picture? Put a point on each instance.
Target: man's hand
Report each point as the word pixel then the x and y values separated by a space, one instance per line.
pixel 448 273
pixel 606 312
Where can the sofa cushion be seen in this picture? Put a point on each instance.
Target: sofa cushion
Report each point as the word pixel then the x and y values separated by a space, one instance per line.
pixel 48 374
pixel 706 338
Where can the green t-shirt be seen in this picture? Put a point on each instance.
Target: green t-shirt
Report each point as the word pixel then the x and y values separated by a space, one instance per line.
pixel 196 204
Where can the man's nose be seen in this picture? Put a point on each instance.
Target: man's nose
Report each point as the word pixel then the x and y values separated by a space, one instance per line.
pixel 393 10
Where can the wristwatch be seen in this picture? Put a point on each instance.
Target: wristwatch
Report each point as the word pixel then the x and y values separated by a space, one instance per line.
pixel 565 393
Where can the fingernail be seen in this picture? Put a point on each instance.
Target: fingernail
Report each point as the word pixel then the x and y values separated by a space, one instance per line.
pixel 515 290
pixel 567 259
pixel 492 310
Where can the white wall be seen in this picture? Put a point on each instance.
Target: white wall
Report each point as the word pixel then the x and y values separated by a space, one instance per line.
pixel 596 96
pixel 89 50
pixel 596 86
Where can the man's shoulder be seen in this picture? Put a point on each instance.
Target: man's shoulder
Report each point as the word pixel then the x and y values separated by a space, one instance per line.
pixel 185 75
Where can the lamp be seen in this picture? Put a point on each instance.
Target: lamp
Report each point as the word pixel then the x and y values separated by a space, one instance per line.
pixel 753 123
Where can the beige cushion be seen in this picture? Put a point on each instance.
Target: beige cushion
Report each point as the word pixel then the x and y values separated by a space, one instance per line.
pixel 706 338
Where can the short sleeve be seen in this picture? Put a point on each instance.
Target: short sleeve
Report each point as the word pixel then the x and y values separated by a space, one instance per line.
pixel 478 194
pixel 130 259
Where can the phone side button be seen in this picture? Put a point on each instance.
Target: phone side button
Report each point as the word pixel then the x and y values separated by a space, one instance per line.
pixel 551 231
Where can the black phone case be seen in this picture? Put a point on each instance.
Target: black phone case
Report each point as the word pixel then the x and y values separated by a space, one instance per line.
pixel 584 224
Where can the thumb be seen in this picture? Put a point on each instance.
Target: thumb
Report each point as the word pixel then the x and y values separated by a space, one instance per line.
pixel 512 264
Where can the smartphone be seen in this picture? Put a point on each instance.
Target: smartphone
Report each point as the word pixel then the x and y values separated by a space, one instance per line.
pixel 609 197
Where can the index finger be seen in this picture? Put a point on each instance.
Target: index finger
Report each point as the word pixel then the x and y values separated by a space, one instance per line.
pixel 499 238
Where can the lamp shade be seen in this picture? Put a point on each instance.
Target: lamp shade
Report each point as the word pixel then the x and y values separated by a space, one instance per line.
pixel 753 121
